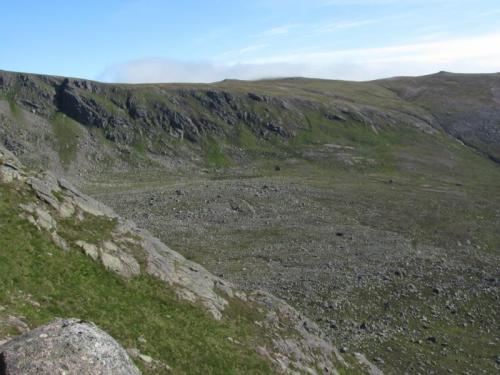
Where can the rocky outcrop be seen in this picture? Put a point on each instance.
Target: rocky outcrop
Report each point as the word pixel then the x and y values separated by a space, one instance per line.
pixel 58 199
pixel 296 343
pixel 78 100
pixel 308 350
pixel 78 107
pixel 65 346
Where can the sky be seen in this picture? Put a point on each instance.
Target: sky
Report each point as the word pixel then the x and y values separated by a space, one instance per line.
pixel 211 40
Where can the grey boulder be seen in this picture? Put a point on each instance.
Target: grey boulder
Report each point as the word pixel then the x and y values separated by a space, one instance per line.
pixel 65 346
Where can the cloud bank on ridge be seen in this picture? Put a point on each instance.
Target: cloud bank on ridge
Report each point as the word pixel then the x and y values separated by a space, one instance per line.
pixel 470 54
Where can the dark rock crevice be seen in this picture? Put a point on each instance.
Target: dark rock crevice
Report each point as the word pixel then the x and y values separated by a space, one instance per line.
pixel 58 101
pixel 3 367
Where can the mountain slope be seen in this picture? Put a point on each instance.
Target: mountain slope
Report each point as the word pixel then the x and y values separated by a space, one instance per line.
pixel 467 106
pixel 186 124
pixel 354 202
pixel 144 294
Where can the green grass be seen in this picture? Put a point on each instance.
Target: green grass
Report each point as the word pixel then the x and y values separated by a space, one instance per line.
pixel 69 284
pixel 67 133
pixel 105 103
pixel 92 229
pixel 140 147
pixel 214 155
pixel 14 108
pixel 246 139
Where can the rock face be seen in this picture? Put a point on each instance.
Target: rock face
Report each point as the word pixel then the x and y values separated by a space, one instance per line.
pixel 130 117
pixel 68 346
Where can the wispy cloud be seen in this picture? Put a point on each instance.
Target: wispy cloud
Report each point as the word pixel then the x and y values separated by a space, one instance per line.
pixel 166 70
pixel 337 25
pixel 278 30
pixel 472 54
pixel 253 48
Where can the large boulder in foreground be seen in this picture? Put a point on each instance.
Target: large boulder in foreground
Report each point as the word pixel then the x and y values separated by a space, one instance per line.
pixel 66 346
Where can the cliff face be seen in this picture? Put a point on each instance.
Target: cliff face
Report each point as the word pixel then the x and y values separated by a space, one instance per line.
pixel 128 114
pixel 179 121
pixel 182 122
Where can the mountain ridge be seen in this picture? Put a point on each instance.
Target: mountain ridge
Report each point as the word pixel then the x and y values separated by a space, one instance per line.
pixel 371 207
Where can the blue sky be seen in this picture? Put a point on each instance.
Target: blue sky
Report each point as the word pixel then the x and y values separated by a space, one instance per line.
pixel 204 41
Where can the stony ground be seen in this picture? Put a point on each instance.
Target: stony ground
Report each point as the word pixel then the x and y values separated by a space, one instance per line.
pixel 352 250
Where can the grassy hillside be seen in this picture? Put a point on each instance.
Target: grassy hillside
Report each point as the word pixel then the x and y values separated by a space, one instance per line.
pixel 466 105
pixel 40 282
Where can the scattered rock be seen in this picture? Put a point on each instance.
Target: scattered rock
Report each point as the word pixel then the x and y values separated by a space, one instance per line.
pixel 149 361
pixel 256 97
pixel 399 273
pixel 369 367
pixel 146 358
pixel 89 249
pixel 123 264
pixel 335 117
pixel 379 360
pixel 17 322
pixel 8 173
pixel 44 219
pixel 242 206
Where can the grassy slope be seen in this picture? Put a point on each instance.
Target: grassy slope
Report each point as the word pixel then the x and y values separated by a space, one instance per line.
pixel 466 105
pixel 67 133
pixel 71 285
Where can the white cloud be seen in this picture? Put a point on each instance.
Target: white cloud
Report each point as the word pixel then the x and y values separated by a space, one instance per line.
pixel 253 48
pixel 278 30
pixel 349 24
pixel 472 54
pixel 346 25
pixel 167 70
